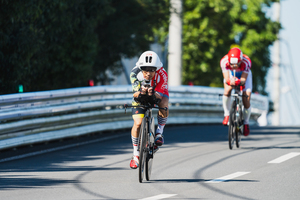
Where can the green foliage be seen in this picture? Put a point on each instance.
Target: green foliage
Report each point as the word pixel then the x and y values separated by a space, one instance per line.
pixel 210 27
pixel 54 44
pixel 127 32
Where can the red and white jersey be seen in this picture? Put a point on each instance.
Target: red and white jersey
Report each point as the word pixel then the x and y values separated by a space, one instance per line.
pixel 161 80
pixel 244 67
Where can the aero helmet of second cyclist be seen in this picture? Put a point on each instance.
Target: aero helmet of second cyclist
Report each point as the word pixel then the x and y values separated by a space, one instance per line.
pixel 235 56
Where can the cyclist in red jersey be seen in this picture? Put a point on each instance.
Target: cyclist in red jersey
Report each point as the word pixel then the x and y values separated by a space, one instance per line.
pixel 149 68
pixel 241 63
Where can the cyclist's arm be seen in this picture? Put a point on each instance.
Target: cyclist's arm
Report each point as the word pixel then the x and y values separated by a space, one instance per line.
pixel 243 78
pixel 226 75
pixel 228 80
pixel 136 85
pixel 231 81
pixel 139 94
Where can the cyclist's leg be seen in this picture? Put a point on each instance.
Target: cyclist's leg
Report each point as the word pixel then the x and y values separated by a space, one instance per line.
pixel 162 117
pixel 246 101
pixel 137 115
pixel 226 102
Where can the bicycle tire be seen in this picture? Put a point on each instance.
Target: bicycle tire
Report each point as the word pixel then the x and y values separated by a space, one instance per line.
pixel 231 126
pixel 149 162
pixel 237 139
pixel 150 153
pixel 142 149
pixel 240 131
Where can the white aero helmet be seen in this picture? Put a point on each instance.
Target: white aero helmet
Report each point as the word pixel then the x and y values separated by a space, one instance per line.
pixel 149 59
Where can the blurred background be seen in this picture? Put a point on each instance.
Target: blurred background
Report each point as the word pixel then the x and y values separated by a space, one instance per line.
pixel 289 69
pixel 58 44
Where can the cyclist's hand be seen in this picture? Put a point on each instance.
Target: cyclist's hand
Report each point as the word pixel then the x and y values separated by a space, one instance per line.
pixel 143 89
pixel 233 82
pixel 136 94
pixel 150 91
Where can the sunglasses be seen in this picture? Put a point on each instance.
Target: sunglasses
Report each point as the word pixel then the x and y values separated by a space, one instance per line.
pixel 148 69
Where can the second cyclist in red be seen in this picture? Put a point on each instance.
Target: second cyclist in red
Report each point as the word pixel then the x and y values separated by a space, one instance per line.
pixel 241 63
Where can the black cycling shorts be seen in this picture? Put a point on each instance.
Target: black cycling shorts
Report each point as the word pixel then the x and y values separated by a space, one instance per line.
pixel 138 112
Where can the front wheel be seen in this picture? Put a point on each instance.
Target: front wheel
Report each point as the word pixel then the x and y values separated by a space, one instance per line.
pixel 150 152
pixel 231 126
pixel 231 133
pixel 142 149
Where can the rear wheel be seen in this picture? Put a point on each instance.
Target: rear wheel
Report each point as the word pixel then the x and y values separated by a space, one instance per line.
pixel 142 149
pixel 149 162
pixel 237 138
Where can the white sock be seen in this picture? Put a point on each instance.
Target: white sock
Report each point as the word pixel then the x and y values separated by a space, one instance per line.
pixel 161 124
pixel 247 113
pixel 135 143
pixel 226 105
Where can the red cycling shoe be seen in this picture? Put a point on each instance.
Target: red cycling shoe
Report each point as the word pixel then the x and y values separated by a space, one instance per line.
pixel 134 162
pixel 246 130
pixel 159 139
pixel 225 120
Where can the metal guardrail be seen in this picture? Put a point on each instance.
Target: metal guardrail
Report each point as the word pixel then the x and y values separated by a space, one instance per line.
pixel 27 118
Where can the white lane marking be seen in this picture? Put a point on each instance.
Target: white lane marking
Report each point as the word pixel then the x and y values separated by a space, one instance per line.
pixel 161 196
pixel 228 177
pixel 285 157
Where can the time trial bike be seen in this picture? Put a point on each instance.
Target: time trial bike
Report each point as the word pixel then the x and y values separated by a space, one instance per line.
pixel 146 146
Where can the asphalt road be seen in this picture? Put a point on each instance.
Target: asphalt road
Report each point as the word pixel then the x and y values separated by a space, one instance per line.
pixel 194 163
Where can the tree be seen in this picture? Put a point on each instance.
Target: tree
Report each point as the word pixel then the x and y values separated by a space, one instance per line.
pixel 48 44
pixel 211 27
pixel 55 44
pixel 127 32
